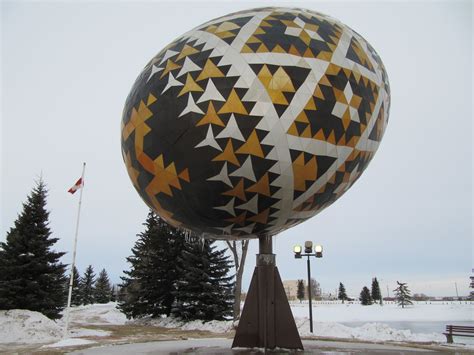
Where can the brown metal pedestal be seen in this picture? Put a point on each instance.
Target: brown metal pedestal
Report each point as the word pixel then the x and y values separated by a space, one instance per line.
pixel 266 321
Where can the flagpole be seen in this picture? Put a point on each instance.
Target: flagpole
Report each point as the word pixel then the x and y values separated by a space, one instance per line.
pixel 71 278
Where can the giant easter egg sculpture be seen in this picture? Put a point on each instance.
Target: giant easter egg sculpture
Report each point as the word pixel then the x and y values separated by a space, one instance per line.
pixel 254 122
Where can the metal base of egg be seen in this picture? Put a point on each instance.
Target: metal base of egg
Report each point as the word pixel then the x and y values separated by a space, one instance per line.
pixel 266 321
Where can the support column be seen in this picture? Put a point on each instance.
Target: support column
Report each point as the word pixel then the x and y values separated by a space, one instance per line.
pixel 266 321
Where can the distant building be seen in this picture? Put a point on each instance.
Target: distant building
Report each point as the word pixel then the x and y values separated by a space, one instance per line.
pixel 291 289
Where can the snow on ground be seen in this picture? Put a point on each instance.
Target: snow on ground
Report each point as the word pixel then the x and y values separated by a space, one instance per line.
pixel 212 326
pixel 22 326
pixel 419 312
pixel 69 342
pixel 97 314
pixel 328 315
pixel 368 331
pixel 85 332
pixel 26 327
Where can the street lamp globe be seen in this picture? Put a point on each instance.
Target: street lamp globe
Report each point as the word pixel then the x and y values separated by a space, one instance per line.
pixel 318 249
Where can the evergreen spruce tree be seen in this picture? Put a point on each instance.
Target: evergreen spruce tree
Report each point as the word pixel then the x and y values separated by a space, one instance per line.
pixel 471 285
pixel 342 295
pixel 113 294
pixel 76 289
pixel 200 288
pixel 87 286
pixel 148 288
pixel 403 294
pixel 222 283
pixel 375 291
pixel 300 290
pixel 31 275
pixel 365 298
pixel 121 296
pixel 102 289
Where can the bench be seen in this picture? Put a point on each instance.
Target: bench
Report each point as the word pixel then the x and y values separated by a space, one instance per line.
pixel 458 330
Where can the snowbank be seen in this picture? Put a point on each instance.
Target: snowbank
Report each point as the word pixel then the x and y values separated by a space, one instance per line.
pixel 370 332
pixel 171 322
pixel 98 314
pixel 27 327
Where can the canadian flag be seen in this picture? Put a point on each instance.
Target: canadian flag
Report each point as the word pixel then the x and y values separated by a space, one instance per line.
pixel 79 184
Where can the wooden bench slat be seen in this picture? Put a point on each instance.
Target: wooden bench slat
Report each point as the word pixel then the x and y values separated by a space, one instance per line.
pixel 467 329
pixel 458 330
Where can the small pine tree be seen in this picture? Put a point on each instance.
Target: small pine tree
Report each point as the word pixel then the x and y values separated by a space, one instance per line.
pixel 102 289
pixel 87 286
pixel 300 290
pixel 365 298
pixel 76 289
pixel 471 285
pixel 200 289
pixel 342 295
pixel 375 291
pixel 113 294
pixel 403 294
pixel 31 275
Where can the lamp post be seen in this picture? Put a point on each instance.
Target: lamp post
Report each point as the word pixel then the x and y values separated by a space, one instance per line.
pixel 318 252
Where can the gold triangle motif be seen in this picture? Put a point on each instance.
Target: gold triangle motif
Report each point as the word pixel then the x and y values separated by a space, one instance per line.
pixel 276 84
pixel 237 191
pixel 211 117
pixel 233 104
pixel 170 65
pixel 262 186
pixel 210 70
pixel 151 99
pixel 262 217
pixel 303 172
pixel 251 146
pixel 228 154
pixel 190 85
pixel 240 219
pixel 187 50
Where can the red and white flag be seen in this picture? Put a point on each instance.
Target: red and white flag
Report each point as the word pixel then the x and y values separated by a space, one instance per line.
pixel 79 184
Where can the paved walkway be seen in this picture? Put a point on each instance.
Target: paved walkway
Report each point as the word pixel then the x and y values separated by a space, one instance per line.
pixel 222 346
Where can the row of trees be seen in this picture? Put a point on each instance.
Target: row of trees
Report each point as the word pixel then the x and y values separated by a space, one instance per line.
pixel 374 295
pixel 170 275
pixel 86 289
pixel 368 297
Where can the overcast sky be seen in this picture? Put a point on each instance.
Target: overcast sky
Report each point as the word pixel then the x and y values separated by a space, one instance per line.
pixel 67 69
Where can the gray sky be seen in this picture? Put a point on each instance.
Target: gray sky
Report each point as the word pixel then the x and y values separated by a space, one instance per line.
pixel 67 69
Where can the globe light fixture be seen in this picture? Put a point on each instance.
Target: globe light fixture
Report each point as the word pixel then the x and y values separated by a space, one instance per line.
pixel 318 249
pixel 297 251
